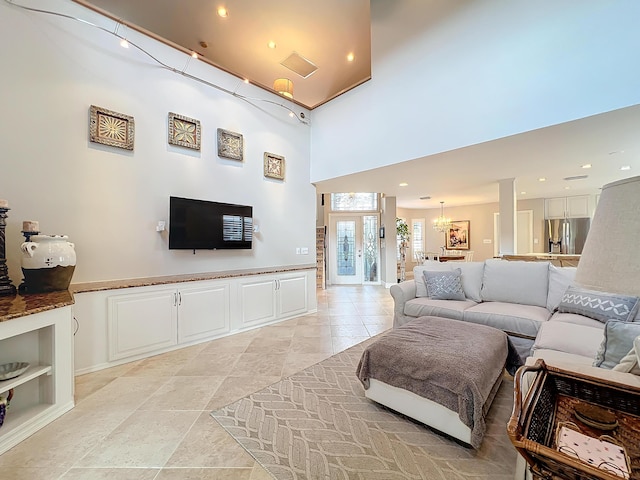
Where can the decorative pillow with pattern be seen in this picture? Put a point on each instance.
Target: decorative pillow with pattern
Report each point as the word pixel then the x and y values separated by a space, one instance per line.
pixel 600 306
pixel 444 285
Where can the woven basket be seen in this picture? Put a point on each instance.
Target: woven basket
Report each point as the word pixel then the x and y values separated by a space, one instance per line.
pixel 551 399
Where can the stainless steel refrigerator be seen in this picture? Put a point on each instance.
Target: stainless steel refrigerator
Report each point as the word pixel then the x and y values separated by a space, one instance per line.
pixel 566 235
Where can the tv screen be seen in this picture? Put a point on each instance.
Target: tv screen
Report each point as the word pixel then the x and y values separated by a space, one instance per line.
pixel 201 224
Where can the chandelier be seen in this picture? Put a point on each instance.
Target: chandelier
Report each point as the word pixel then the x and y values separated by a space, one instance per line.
pixel 442 223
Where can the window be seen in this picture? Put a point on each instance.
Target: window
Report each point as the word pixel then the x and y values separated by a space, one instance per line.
pixel 354 202
pixel 417 236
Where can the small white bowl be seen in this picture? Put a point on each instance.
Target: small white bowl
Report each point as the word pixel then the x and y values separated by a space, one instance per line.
pixel 12 370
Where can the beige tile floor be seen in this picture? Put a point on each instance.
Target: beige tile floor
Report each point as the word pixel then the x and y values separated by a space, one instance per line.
pixel 149 419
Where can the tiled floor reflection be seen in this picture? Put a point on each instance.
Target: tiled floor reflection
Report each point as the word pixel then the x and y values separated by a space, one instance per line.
pixel 149 419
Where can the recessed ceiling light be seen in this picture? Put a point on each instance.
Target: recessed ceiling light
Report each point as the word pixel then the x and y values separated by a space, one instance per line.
pixel 223 12
pixel 586 165
pixel 271 44
pixel 350 57
pixel 625 167
pixel 403 184
pixel 542 179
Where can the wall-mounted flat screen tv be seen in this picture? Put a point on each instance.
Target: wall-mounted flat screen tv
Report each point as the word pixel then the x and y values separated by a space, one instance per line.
pixel 205 225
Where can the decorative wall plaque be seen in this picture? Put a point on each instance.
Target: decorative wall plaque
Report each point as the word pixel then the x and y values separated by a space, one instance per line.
pixel 111 128
pixel 184 131
pixel 230 144
pixel 273 166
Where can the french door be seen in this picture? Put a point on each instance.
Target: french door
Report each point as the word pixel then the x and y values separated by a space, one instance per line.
pixel 353 249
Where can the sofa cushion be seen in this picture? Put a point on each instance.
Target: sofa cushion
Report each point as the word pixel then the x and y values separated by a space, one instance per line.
pixel 509 317
pixel 571 338
pixel 444 285
pixel 560 278
pixel 617 341
pixel 576 319
pixel 472 273
pixel 421 307
pixel 525 283
pixel 598 305
pixel 418 275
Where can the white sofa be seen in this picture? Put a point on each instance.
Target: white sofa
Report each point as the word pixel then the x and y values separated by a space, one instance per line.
pixel 517 297
pixel 521 299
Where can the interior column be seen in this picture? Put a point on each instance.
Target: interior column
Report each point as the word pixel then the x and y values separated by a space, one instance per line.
pixel 508 216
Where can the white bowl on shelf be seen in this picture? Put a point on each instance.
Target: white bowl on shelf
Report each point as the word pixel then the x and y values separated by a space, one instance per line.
pixel 12 370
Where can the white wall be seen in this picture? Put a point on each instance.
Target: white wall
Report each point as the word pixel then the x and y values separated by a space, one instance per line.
pixel 448 74
pixel 108 200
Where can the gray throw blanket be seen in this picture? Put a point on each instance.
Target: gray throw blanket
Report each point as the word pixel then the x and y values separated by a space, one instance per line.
pixel 456 364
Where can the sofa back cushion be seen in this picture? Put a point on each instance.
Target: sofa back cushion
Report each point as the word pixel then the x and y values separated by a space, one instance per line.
pixel 526 283
pixel 471 277
pixel 560 278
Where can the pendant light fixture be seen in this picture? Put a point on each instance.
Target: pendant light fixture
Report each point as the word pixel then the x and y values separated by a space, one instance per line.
pixel 284 87
pixel 442 223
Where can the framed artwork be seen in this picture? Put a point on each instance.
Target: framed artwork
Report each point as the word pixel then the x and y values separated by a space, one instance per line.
pixel 230 145
pixel 273 166
pixel 184 131
pixel 457 235
pixel 111 128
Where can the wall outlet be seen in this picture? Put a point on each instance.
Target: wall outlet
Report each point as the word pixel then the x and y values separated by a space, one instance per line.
pixel 305 251
pixel 535 241
pixel 486 240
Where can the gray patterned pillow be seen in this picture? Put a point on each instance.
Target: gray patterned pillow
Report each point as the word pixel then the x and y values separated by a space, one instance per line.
pixel 444 285
pixel 600 306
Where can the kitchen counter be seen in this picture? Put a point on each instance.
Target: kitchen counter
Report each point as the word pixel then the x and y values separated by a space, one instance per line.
pixel 557 259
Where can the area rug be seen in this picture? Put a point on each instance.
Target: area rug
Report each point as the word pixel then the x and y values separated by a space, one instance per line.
pixel 317 424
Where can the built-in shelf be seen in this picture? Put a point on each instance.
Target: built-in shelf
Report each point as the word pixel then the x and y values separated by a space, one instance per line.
pixel 31 373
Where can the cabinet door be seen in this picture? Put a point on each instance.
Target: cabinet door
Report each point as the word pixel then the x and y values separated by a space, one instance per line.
pixel 555 207
pixel 203 311
pixel 578 206
pixel 141 322
pixel 257 301
pixel 292 295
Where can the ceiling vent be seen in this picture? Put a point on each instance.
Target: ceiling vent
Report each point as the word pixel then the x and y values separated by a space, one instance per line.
pixel 298 64
pixel 577 177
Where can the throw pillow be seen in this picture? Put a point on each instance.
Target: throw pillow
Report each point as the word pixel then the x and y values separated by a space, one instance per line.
pixel 418 274
pixel 600 306
pixel 617 341
pixel 629 364
pixel 444 285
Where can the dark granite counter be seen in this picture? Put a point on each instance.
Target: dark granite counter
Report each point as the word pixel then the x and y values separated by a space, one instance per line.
pixel 15 306
pixel 191 277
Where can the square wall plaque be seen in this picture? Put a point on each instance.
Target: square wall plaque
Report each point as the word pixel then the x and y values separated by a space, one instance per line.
pixel 184 131
pixel 230 144
pixel 273 166
pixel 111 128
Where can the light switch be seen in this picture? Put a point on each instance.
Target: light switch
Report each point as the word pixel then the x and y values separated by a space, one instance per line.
pixel 305 251
pixel 298 251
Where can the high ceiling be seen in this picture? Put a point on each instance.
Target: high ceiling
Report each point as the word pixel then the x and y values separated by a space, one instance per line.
pixel 323 33
pixel 470 175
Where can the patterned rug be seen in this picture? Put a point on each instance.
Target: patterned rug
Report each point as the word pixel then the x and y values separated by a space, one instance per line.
pixel 317 424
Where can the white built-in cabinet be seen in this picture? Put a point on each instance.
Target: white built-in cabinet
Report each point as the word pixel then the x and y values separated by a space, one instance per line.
pixel 142 321
pixel 155 319
pixel 272 297
pixel 45 391
pixel 568 207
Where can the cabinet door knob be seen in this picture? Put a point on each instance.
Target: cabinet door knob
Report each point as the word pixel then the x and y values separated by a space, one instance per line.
pixel 179 298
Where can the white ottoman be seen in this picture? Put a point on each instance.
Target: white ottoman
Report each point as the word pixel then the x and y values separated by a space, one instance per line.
pixel 441 372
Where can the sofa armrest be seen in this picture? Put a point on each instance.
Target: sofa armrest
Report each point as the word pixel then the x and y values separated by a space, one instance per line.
pixel 402 293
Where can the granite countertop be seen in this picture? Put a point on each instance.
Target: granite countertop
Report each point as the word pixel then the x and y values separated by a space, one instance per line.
pixel 190 277
pixel 15 306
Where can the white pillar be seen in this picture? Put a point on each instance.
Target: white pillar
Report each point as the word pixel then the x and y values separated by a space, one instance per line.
pixel 388 260
pixel 508 216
